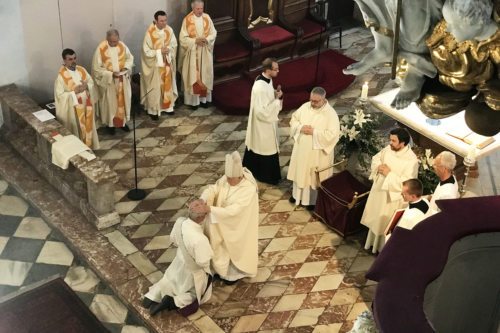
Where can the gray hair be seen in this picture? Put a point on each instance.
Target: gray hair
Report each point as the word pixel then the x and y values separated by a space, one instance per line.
pixel 472 11
pixel 197 1
pixel 193 213
pixel 447 159
pixel 112 32
pixel 319 91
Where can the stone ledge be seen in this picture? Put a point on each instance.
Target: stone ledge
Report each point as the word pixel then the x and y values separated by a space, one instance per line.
pixel 87 185
pixel 110 265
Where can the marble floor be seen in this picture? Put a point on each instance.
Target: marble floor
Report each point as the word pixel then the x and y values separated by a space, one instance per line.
pixel 309 278
pixel 32 251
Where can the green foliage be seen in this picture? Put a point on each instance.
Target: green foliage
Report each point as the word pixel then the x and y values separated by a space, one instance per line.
pixel 359 135
pixel 426 173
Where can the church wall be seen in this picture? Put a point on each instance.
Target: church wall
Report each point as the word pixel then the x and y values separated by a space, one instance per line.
pixel 35 32
pixel 12 56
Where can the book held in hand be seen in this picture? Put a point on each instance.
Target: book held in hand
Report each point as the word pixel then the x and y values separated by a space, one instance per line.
pixel 398 213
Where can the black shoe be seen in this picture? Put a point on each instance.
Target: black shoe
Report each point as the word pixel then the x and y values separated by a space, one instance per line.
pixel 229 283
pixel 110 130
pixel 167 303
pixel 291 200
pixel 206 105
pixel 125 128
pixel 170 113
pixel 310 207
pixel 147 303
pixel 193 107
pixel 154 117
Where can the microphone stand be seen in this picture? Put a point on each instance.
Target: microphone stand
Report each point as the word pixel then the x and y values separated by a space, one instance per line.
pixel 135 193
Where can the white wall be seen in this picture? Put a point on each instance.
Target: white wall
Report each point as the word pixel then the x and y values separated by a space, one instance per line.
pixel 34 32
pixel 12 56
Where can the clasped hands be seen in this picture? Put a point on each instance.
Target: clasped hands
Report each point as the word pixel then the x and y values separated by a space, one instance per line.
pixel 117 74
pixel 82 87
pixel 201 41
pixel 307 130
pixel 383 169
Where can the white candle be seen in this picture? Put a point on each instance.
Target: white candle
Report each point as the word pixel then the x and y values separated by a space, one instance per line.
pixel 471 154
pixel 364 91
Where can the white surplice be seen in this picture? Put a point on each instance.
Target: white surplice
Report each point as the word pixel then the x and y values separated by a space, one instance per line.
pixel 262 129
pixel 312 151
pixel 186 278
pixel 232 226
pixel 443 192
pixel 385 194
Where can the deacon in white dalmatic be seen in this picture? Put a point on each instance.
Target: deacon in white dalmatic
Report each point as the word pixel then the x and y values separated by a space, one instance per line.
pixel 389 169
pixel 443 165
pixel 233 220
pixel 315 130
pixel 186 281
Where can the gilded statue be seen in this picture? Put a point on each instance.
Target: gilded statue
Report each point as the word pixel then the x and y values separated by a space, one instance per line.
pixel 465 48
pixel 418 17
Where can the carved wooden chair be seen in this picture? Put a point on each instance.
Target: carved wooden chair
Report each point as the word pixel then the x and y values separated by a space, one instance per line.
pixel 233 46
pixel 341 201
pixel 305 14
pixel 265 23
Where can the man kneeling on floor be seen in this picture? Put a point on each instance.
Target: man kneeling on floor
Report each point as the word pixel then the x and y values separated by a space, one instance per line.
pixel 187 281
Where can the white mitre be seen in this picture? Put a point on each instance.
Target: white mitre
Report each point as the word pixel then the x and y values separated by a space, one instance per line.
pixel 234 168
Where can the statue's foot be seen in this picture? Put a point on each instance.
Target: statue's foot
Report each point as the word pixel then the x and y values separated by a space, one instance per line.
pixel 409 92
pixel 372 59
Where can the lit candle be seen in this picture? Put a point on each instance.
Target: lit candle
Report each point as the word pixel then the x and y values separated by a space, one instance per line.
pixel 364 91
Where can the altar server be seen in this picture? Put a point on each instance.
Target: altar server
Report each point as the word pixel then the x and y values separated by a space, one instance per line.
pixel 315 130
pixel 262 139
pixel 443 165
pixel 389 168
pixel 233 220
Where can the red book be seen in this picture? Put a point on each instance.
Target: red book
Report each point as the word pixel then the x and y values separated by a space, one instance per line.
pixel 394 221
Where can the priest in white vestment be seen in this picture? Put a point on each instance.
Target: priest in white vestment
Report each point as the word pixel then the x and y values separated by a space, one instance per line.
pixel 443 165
pixel 315 130
pixel 417 205
pixel 197 39
pixel 158 63
pixel 111 68
pixel 262 138
pixel 233 221
pixel 186 280
pixel 389 169
pixel 76 100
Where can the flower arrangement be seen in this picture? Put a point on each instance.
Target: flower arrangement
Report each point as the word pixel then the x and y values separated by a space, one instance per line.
pixel 359 135
pixel 426 173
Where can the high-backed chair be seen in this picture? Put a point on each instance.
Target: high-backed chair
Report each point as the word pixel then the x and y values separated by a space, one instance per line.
pixel 304 14
pixel 233 46
pixel 265 22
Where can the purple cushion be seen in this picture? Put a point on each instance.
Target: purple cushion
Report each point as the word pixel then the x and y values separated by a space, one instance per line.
pixel 229 51
pixel 271 35
pixel 310 28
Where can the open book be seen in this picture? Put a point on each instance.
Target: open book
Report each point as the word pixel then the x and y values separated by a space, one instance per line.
pixel 469 137
pixel 398 213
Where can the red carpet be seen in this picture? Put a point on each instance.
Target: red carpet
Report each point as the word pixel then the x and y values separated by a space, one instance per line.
pixel 296 78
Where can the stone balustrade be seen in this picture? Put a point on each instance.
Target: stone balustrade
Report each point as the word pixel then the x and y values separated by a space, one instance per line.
pixel 87 185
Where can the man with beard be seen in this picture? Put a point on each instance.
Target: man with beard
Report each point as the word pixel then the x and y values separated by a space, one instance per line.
pixel 389 169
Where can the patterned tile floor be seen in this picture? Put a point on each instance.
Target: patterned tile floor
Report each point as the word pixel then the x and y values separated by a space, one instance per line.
pixel 32 251
pixel 309 279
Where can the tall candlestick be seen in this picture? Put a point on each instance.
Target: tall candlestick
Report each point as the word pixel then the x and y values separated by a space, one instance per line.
pixel 364 91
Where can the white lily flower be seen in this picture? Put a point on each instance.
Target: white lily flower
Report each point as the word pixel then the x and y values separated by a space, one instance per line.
pixel 360 118
pixel 352 133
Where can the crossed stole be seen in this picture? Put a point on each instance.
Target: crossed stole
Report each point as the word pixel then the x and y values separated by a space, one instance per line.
pixel 84 113
pixel 165 71
pixel 118 119
pixel 199 88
